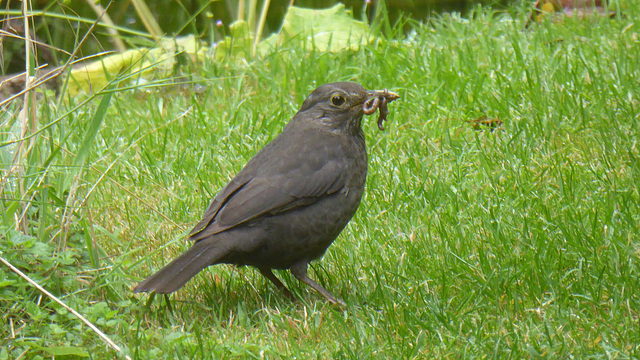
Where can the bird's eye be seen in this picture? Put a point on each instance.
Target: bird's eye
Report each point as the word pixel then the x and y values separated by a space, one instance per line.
pixel 338 100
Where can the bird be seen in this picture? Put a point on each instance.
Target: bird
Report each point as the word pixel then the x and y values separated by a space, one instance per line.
pixel 291 200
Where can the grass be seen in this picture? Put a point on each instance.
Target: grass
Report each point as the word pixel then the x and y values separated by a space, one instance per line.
pixel 517 243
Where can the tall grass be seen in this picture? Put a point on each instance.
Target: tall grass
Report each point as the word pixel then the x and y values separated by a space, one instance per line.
pixel 517 243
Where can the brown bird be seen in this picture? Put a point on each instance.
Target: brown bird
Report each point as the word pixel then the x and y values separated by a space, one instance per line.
pixel 291 200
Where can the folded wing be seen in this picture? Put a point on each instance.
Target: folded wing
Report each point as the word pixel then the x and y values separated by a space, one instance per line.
pixel 272 186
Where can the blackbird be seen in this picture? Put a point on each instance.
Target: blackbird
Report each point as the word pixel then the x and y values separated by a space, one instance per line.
pixel 290 202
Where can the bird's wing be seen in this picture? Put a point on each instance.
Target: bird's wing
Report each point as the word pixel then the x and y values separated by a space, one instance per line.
pixel 274 184
pixel 236 184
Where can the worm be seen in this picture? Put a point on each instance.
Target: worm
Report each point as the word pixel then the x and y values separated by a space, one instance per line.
pixel 379 100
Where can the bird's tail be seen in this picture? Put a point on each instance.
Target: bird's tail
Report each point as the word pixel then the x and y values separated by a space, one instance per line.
pixel 175 274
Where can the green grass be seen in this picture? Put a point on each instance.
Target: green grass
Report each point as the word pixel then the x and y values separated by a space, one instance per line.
pixel 518 243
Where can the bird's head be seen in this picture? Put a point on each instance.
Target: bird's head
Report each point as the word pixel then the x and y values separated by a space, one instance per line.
pixel 338 106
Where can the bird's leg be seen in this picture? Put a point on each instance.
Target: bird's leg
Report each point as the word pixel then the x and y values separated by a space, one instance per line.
pixel 269 275
pixel 299 270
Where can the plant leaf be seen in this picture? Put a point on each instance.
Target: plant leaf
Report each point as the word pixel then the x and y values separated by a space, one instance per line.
pixel 88 140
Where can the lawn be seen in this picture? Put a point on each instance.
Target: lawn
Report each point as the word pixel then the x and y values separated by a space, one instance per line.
pixel 521 242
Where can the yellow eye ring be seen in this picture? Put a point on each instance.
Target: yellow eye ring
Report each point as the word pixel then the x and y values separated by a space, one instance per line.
pixel 338 100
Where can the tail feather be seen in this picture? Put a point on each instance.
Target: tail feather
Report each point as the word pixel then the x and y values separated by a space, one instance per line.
pixel 175 274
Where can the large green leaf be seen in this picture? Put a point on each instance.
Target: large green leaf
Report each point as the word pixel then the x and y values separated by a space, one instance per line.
pixel 332 29
pixel 138 64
